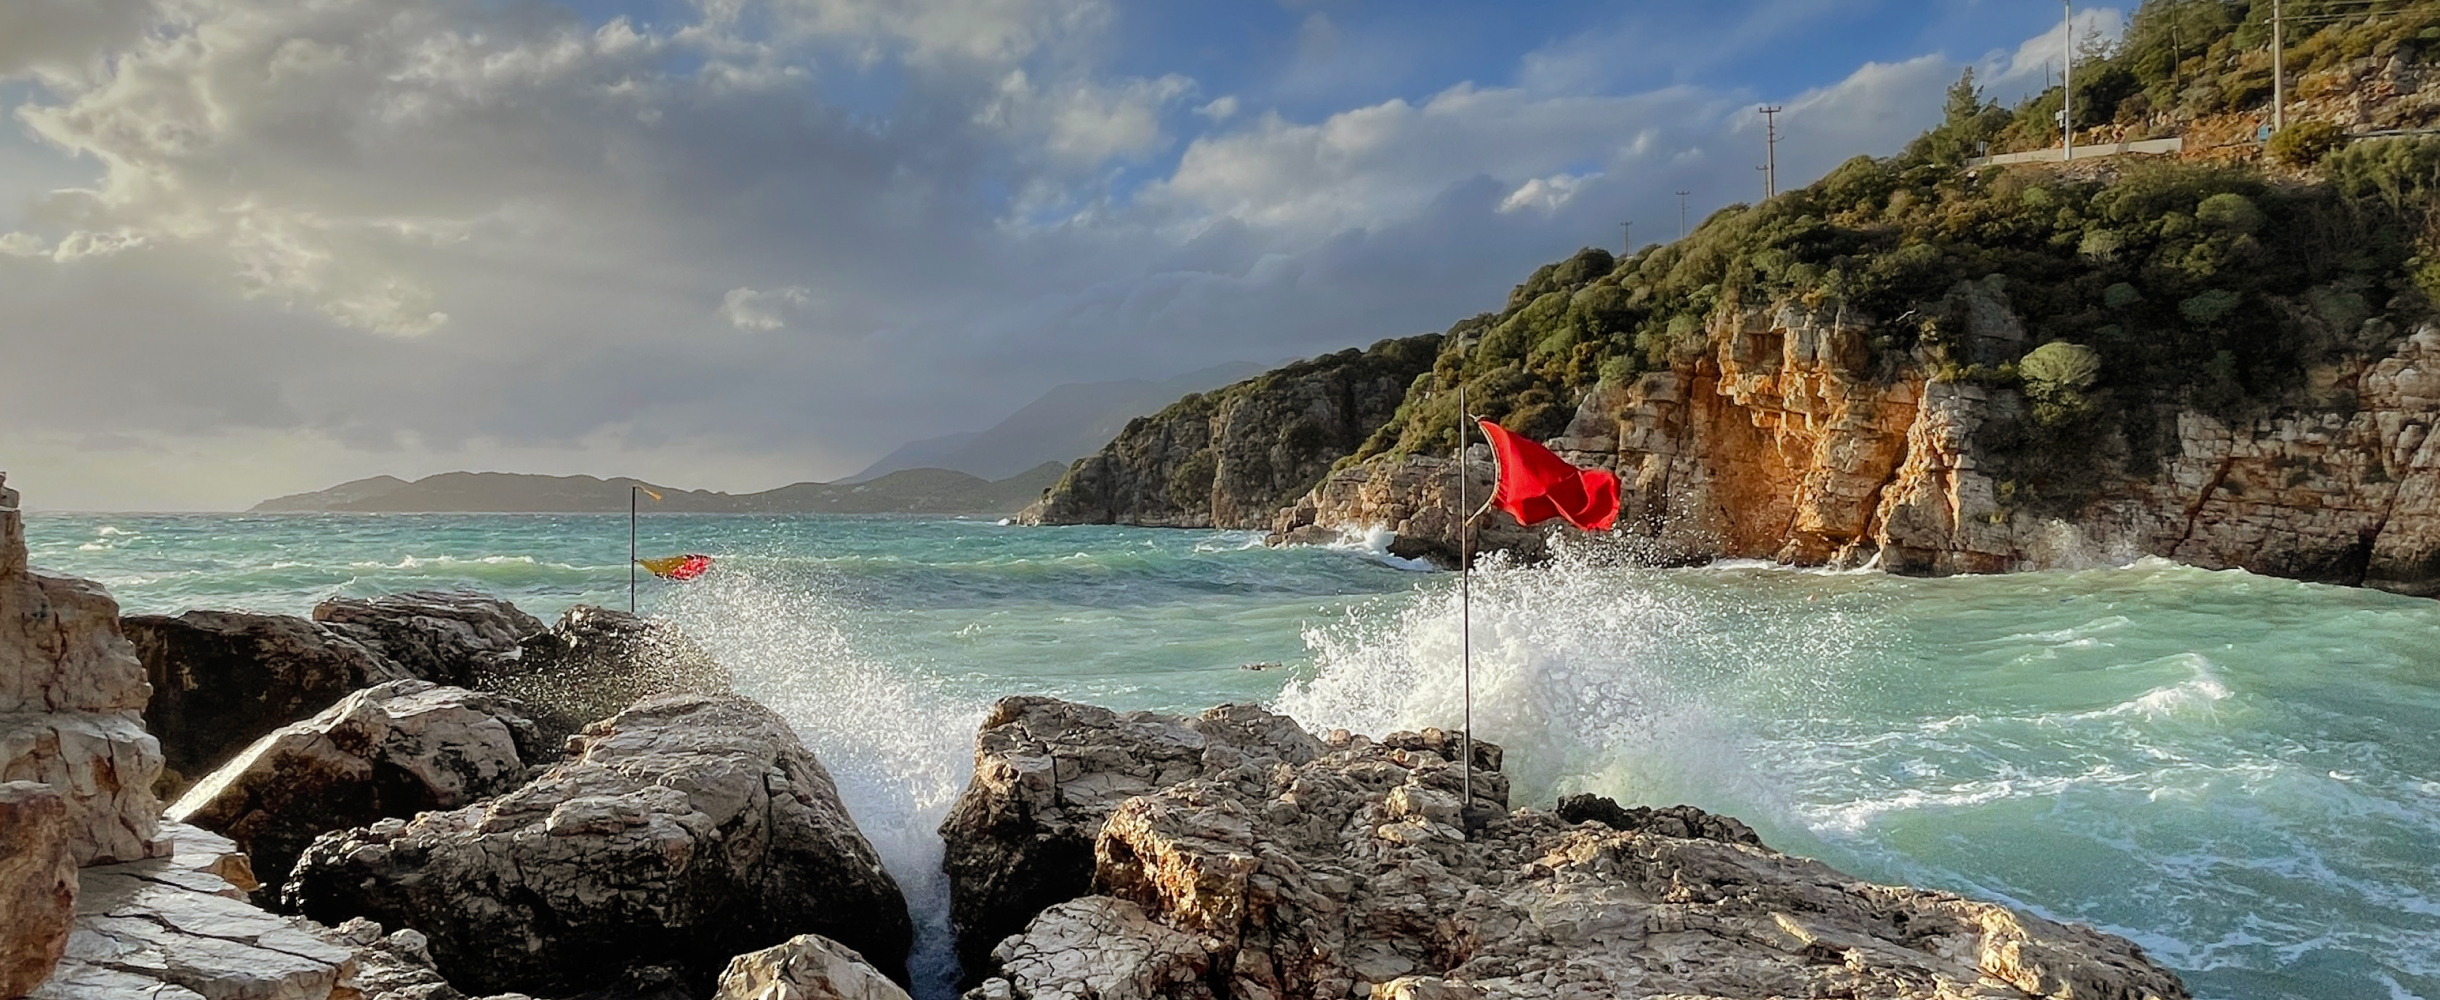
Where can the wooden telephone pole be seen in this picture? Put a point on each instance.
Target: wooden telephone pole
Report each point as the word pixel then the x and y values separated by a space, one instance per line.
pixel 1770 150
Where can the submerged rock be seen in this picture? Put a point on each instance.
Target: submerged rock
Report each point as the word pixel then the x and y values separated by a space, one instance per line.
pixel 595 662
pixel 805 967
pixel 1354 874
pixel 71 694
pixel 37 884
pixel 390 751
pixel 681 832
pixel 458 639
pixel 1048 772
pixel 223 679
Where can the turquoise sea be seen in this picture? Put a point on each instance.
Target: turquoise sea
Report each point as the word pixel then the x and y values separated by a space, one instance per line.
pixel 2240 773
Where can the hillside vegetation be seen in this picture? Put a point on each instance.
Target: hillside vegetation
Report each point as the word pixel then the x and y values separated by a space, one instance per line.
pixel 2163 283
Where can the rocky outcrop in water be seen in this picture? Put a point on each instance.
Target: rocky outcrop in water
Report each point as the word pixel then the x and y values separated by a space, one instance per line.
pixel 1048 772
pixel 458 639
pixel 1356 874
pixel 394 750
pixel 595 662
pixel 223 679
pixel 680 832
pixel 71 697
pixel 37 884
pixel 1231 458
pixel 805 967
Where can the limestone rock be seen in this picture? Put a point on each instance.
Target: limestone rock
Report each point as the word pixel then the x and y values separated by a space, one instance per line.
pixel 393 750
pixel 679 832
pixel 595 662
pixel 71 689
pixel 1350 875
pixel 223 679
pixel 1048 772
pixel 805 967
pixel 1683 822
pixel 37 885
pixel 458 639
pixel 1230 458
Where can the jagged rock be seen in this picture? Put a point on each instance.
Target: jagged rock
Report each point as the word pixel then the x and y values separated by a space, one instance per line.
pixel 223 679
pixel 1683 822
pixel 1351 875
pixel 679 832
pixel 1103 948
pixel 173 929
pixel 595 662
pixel 458 639
pixel 1417 498
pixel 37 884
pixel 1230 458
pixel 393 750
pixel 1048 772
pixel 805 967
pixel 71 694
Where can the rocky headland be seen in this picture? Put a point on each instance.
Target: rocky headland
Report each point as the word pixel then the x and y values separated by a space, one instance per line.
pixel 418 836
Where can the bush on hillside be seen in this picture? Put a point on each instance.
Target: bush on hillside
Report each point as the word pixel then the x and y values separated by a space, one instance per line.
pixel 2305 143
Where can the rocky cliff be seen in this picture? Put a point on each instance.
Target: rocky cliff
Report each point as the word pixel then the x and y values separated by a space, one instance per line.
pixel 1779 443
pixel 1231 458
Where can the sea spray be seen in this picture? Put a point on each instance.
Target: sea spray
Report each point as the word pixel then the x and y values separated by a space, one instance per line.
pixel 898 745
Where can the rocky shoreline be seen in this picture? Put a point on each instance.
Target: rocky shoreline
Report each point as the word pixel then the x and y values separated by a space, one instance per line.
pixel 438 797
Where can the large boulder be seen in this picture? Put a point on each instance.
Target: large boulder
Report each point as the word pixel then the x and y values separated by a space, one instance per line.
pixel 1355 875
pixel 37 885
pixel 223 679
pixel 805 967
pixel 1048 772
pixel 71 697
pixel 680 832
pixel 459 639
pixel 595 662
pixel 393 750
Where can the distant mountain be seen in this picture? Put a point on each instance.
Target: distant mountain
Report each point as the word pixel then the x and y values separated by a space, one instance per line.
pixel 911 491
pixel 1067 423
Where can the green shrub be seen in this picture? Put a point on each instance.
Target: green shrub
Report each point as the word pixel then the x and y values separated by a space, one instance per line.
pixel 2305 143
pixel 2229 211
pixel 2208 307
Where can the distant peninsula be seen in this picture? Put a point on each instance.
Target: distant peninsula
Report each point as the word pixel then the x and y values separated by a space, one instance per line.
pixel 910 491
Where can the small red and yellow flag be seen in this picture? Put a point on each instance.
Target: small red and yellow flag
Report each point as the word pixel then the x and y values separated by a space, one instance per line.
pixel 685 567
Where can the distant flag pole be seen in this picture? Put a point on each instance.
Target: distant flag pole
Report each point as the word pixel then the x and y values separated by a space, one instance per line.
pixel 632 490
pixel 1465 598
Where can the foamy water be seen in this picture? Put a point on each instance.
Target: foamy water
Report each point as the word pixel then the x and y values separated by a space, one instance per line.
pixel 2240 773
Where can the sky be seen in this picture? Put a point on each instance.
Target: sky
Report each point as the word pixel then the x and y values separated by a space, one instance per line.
pixel 256 247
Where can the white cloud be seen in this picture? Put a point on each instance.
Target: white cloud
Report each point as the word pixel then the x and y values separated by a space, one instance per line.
pixel 1547 194
pixel 761 312
pixel 1219 109
pixel 1084 122
pixel 2039 58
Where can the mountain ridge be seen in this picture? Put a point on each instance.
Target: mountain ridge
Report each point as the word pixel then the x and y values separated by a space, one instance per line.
pixel 910 491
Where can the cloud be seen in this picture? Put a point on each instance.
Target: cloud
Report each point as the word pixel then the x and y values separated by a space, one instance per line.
pixel 747 309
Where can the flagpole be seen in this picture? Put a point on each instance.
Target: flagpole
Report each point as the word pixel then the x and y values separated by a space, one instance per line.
pixel 631 548
pixel 1465 596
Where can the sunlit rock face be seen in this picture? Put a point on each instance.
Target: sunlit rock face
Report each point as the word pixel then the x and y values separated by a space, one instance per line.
pixel 37 884
pixel 72 695
pixel 680 832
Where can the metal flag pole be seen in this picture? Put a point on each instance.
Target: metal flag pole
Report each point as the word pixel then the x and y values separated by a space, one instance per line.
pixel 1465 595
pixel 631 488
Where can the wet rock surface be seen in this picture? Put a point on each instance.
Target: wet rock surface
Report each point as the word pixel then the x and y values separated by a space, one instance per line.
pixel 394 750
pixel 454 638
pixel 1049 772
pixel 1353 874
pixel 223 679
pixel 596 662
pixel 71 697
pixel 805 967
pixel 37 884
pixel 681 832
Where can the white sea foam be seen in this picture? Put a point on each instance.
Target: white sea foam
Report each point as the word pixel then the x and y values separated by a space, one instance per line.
pixel 1375 542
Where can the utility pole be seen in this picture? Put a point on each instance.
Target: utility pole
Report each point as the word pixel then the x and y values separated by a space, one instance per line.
pixel 2067 80
pixel 1626 238
pixel 2278 70
pixel 1770 147
pixel 1682 213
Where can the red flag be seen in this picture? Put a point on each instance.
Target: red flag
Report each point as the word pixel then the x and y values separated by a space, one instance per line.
pixel 685 567
pixel 1536 485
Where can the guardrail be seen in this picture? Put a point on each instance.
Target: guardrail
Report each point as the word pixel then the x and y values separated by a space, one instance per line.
pixel 2173 144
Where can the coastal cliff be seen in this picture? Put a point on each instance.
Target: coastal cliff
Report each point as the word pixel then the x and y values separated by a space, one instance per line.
pixel 1232 457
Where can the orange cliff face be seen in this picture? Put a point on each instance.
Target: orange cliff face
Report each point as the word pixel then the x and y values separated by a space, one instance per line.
pixel 1780 444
